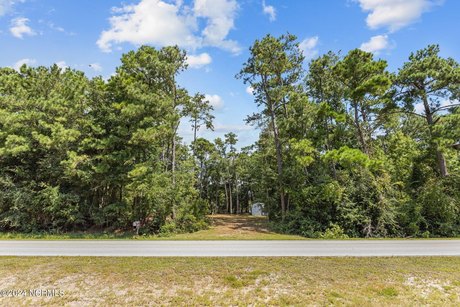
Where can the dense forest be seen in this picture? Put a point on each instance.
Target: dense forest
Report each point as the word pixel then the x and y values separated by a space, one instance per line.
pixel 346 147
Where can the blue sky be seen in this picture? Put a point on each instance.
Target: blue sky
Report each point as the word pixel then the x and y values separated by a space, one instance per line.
pixel 91 35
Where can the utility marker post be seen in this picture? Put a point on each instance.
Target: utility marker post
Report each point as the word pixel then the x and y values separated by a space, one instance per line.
pixel 137 225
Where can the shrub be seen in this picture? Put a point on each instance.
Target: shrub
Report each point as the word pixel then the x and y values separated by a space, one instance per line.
pixel 334 232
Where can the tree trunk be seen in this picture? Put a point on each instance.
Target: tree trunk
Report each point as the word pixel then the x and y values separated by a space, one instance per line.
pixel 279 162
pixel 359 129
pixel 227 207
pixel 442 163
pixel 200 175
pixel 216 207
pixel 287 203
pixel 441 160
pixel 231 197
pixel 194 129
pixel 238 209
pixel 329 146
pixel 173 158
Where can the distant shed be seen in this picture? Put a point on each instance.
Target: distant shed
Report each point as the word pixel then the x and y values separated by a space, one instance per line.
pixel 258 209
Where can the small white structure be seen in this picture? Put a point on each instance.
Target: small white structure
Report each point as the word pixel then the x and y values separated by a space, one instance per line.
pixel 137 226
pixel 257 209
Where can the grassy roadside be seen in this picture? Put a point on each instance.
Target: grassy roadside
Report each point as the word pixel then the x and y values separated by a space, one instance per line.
pixel 89 281
pixel 201 235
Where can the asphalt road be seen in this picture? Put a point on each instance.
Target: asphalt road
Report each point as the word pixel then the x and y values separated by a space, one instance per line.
pixel 359 248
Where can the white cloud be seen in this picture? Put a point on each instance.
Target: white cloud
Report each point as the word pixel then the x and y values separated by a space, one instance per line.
pixel 376 44
pixel 247 135
pixel 394 14
pixel 150 21
pixel 21 62
pixel 220 16
pixel 6 5
pixel 19 27
pixel 308 47
pixel 54 27
pixel 309 43
pixel 62 64
pixel 232 128
pixel 269 10
pixel 96 67
pixel 198 61
pixel 250 90
pixel 161 23
pixel 215 100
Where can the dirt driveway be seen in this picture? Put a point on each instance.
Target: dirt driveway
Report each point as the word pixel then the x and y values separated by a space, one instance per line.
pixel 235 227
pixel 239 224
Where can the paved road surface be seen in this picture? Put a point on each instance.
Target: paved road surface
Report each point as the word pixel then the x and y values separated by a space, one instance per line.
pixel 231 248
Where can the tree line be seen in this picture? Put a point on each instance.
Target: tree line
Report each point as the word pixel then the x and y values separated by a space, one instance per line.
pixel 350 149
pixel 346 147
pixel 77 153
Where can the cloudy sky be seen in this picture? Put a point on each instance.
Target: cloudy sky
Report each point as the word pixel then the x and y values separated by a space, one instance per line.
pixel 91 35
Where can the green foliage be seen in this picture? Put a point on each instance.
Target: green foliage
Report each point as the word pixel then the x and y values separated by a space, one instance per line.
pixel 303 151
pixel 439 202
pixel 430 80
pixel 340 153
pixel 348 157
pixel 78 153
pixel 334 232
pixel 356 161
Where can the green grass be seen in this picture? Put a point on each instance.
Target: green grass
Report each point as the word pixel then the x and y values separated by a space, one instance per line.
pixel 212 234
pixel 199 235
pixel 72 236
pixel 208 234
pixel 292 281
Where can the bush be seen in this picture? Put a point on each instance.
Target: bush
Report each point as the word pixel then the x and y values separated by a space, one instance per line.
pixel 440 206
pixel 296 223
pixel 334 232
pixel 168 229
